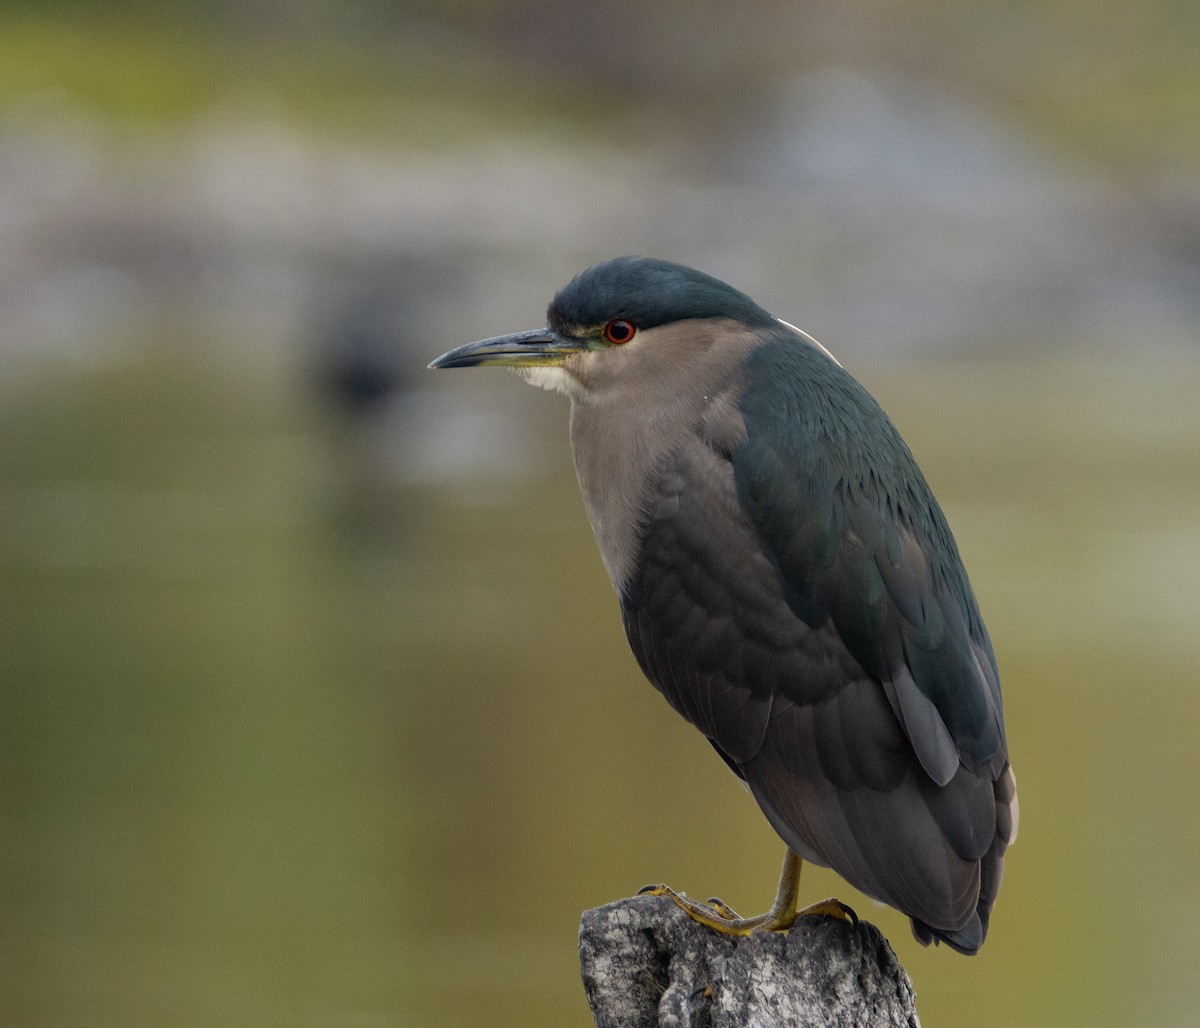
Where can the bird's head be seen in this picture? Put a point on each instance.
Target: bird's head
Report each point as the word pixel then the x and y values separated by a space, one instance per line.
pixel 613 320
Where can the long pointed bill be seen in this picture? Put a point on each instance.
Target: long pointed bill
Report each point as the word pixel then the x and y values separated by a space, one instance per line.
pixel 537 348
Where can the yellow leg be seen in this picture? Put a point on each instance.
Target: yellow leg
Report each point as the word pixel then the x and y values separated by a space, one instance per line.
pixel 782 915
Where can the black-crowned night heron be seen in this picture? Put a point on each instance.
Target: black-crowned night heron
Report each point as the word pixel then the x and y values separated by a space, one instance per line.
pixel 788 583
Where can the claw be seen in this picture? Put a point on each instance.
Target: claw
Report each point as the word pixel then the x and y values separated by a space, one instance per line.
pixel 830 908
pixel 723 909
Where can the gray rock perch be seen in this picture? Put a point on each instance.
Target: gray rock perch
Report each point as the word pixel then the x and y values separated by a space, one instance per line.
pixel 646 964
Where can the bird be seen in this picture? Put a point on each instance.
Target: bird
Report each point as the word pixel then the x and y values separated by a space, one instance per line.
pixel 788 582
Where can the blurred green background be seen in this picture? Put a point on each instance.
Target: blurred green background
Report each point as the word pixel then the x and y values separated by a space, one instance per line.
pixel 316 709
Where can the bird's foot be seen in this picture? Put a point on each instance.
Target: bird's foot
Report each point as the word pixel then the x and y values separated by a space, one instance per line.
pixel 720 918
pixel 713 905
pixel 782 915
pixel 830 908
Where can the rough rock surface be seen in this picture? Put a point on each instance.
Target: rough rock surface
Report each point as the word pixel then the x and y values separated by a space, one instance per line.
pixel 646 964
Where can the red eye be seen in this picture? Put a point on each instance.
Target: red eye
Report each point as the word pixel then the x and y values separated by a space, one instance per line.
pixel 619 332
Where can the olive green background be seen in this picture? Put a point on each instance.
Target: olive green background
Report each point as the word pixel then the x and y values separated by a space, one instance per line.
pixel 306 724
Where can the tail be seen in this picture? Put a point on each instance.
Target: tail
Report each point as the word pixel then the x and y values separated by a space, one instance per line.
pixel 970 936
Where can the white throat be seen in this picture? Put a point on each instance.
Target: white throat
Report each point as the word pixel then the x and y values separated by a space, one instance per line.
pixel 551 378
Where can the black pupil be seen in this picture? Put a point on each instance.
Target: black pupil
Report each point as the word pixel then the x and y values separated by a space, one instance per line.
pixel 620 331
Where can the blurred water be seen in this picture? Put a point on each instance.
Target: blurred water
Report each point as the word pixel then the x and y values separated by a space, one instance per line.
pixel 290 739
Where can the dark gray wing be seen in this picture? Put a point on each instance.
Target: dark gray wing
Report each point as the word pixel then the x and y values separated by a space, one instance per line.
pixel 799 599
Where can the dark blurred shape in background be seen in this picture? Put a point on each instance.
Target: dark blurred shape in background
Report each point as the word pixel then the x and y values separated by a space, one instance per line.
pixel 280 635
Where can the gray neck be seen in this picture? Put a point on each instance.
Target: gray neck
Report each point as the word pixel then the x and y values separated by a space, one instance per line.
pixel 634 408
